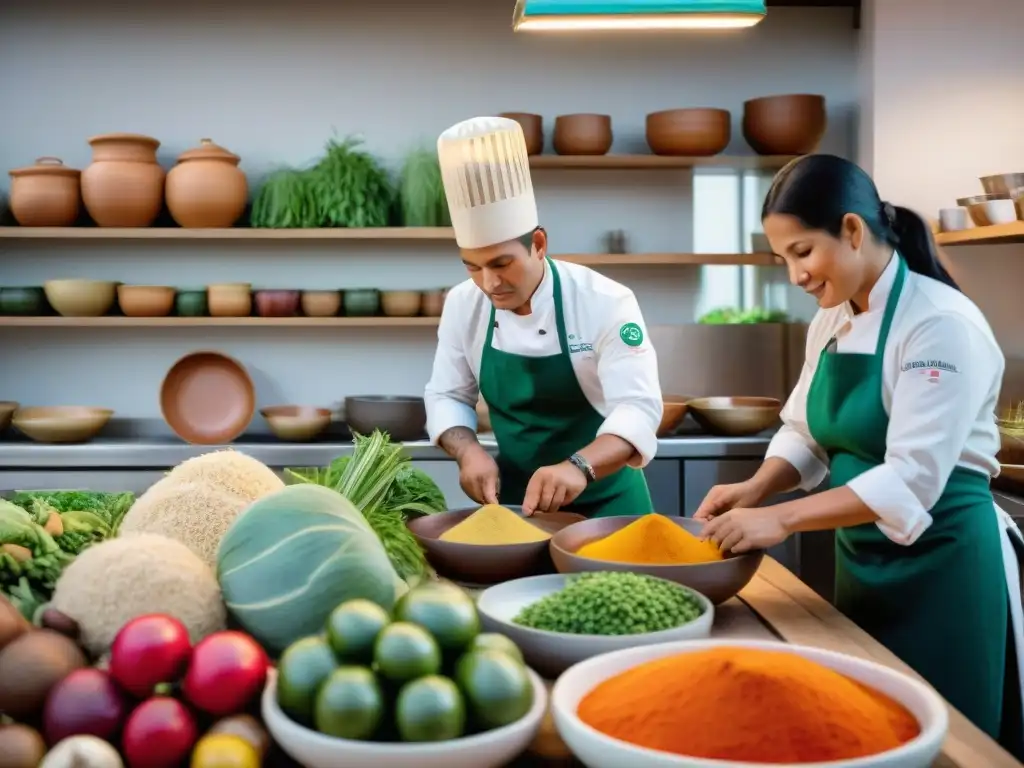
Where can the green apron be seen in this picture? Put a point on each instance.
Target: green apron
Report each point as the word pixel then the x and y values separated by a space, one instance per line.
pixel 541 417
pixel 942 599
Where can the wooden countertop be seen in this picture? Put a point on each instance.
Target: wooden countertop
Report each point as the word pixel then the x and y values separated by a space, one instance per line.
pixel 777 605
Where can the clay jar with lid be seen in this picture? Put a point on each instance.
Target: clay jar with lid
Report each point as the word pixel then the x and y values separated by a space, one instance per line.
pixel 206 188
pixel 124 186
pixel 46 194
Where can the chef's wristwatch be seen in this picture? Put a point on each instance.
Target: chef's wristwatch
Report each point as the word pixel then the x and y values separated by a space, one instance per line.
pixel 583 466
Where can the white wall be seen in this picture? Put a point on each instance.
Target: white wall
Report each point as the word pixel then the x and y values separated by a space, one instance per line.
pixel 272 80
pixel 943 103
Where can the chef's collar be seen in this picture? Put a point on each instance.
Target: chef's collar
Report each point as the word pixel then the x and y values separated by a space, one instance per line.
pixel 879 295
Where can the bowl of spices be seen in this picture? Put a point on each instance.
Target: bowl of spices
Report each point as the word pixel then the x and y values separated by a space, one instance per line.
pixel 742 704
pixel 558 620
pixel 489 544
pixel 655 545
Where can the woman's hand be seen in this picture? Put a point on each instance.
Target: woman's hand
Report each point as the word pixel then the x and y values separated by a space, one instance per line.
pixel 722 498
pixel 741 530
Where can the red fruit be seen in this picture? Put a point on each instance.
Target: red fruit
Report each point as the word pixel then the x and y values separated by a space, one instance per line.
pixel 148 651
pixel 227 671
pixel 86 702
pixel 160 733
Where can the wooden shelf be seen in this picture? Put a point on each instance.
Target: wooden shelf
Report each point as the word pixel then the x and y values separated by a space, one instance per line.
pixel 656 162
pixel 668 259
pixel 218 322
pixel 994 235
pixel 237 233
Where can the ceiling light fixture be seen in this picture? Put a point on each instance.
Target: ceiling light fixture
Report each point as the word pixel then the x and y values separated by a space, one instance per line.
pixel 611 15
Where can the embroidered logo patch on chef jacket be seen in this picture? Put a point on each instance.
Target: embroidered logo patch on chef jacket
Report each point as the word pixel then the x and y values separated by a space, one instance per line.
pixel 631 334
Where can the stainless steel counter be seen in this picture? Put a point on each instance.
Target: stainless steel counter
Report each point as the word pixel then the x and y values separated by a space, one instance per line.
pixel 164 452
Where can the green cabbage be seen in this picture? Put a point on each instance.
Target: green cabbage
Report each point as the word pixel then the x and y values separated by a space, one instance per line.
pixel 292 557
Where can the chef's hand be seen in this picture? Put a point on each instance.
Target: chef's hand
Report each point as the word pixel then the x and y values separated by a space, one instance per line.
pixel 478 476
pixel 722 498
pixel 553 487
pixel 741 530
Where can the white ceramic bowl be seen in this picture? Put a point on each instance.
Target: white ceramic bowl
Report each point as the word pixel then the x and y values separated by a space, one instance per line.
pixel 596 750
pixel 493 749
pixel 551 653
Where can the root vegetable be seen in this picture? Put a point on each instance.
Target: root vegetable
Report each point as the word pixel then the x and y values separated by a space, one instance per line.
pixel 20 747
pixel 245 727
pixel 18 552
pixel 31 666
pixel 160 733
pixel 148 651
pixel 85 703
pixel 53 619
pixel 54 525
pixel 80 751
pixel 228 670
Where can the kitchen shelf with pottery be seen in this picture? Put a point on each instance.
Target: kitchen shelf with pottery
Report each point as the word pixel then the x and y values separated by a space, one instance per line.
pixel 994 217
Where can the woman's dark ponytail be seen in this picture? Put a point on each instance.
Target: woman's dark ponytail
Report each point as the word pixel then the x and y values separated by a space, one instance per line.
pixel 913 239
pixel 820 190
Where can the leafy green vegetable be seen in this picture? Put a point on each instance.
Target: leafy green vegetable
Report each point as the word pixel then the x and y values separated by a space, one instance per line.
pixel 110 508
pixel 381 483
pixel 732 316
pixel 421 191
pixel 285 201
pixel 350 187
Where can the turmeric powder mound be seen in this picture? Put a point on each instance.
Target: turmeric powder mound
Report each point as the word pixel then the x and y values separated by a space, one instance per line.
pixel 747 705
pixel 494 525
pixel 652 540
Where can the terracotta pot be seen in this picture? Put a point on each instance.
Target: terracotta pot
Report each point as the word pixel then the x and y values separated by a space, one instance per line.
pixel 320 303
pixel 277 303
pixel 229 300
pixel 689 132
pixel 583 134
pixel 433 302
pixel 46 194
pixel 146 300
pixel 533 130
pixel 206 188
pixel 785 125
pixel 401 303
pixel 124 186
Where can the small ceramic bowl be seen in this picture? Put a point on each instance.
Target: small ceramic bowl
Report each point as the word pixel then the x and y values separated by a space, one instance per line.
pixel 433 302
pixel 81 298
pixel 191 302
pixel 735 416
pixel 320 303
pixel 674 408
pixel 362 302
pixel 592 747
pixel 490 749
pixel 277 303
pixel 229 299
pixel 7 409
pixel 551 653
pixel 296 423
pixel 26 302
pixel 61 424
pixel 486 564
pixel 401 303
pixel 145 300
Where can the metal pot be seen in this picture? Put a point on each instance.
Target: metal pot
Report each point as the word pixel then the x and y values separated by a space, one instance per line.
pixel 403 418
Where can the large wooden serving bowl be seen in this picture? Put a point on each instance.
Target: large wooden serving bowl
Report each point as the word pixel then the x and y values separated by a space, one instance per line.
pixel 481 563
pixel 718 581
pixel 735 416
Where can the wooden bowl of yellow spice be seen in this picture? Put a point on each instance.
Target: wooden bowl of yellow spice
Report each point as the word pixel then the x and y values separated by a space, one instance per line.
pixel 489 544
pixel 664 546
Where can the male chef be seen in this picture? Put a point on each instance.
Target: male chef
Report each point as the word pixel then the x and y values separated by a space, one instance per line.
pixel 558 352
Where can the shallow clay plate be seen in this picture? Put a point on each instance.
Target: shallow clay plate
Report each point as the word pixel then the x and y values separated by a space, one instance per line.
pixel 61 423
pixel 296 423
pixel 486 564
pixel 207 398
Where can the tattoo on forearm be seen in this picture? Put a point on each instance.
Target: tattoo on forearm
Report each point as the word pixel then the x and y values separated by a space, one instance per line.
pixel 455 440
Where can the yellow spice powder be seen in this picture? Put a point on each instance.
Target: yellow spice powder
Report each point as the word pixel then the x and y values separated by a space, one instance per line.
pixel 652 540
pixel 494 525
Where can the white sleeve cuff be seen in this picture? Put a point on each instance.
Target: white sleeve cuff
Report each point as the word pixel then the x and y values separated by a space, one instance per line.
pixel 902 517
pixel 633 425
pixel 791 447
pixel 443 413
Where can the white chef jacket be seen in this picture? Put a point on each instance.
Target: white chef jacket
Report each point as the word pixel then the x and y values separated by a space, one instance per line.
pixel 942 371
pixel 620 381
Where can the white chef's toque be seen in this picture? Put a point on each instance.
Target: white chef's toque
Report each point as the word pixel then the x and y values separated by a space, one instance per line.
pixel 486 174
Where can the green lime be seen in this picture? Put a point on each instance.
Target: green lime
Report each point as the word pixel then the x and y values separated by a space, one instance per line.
pixel 301 670
pixel 497 688
pixel 430 709
pixel 350 704
pixel 492 641
pixel 406 651
pixel 445 611
pixel 352 629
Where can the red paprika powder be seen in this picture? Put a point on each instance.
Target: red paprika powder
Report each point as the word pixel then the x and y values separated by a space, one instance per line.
pixel 748 705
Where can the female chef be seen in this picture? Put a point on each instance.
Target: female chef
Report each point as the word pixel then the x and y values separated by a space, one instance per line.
pixel 560 354
pixel 896 403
